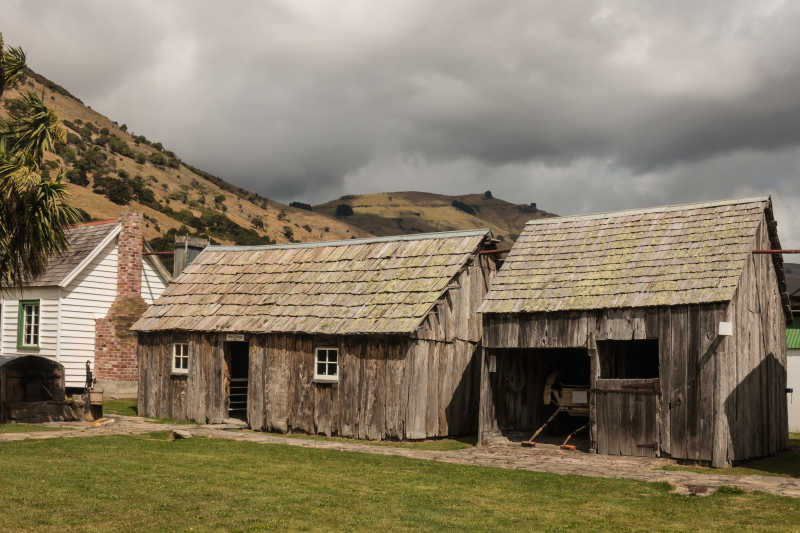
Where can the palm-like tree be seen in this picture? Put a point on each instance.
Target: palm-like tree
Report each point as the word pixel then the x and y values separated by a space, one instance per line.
pixel 34 215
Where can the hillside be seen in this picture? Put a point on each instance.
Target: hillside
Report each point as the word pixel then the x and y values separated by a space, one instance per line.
pixel 110 169
pixel 416 212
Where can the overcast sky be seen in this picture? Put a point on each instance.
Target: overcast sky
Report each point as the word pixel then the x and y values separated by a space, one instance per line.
pixel 578 106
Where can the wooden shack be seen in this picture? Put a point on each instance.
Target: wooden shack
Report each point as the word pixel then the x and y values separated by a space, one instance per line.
pixel 665 316
pixel 369 338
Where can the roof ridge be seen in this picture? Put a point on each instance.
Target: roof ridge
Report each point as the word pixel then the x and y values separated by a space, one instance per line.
pixel 95 223
pixel 368 240
pixel 657 209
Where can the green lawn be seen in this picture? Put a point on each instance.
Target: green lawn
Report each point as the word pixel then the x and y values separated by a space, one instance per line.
pixel 784 464
pixel 126 407
pixel 25 428
pixel 145 483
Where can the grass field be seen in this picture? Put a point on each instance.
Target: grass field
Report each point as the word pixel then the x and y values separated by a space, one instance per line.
pixel 25 428
pixel 146 483
pixel 785 464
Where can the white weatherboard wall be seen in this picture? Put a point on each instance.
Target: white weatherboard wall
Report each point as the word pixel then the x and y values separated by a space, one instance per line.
pixel 152 284
pixel 88 297
pixel 793 382
pixel 48 321
pixel 68 314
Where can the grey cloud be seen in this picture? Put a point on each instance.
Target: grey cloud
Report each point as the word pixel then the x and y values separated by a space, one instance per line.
pixel 579 106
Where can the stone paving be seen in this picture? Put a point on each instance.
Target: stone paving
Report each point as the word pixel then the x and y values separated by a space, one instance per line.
pixel 543 458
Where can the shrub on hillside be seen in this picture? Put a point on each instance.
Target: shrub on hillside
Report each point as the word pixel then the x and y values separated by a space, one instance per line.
pixel 344 210
pixel 78 177
pixel 463 207
pixel 119 146
pixel 301 205
pixel 117 190
pixel 158 159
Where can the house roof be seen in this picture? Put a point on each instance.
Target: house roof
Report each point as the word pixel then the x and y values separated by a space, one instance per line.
pixel 673 255
pixel 793 336
pixel 360 286
pixel 83 241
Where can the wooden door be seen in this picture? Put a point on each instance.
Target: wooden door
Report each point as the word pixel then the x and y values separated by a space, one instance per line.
pixel 627 416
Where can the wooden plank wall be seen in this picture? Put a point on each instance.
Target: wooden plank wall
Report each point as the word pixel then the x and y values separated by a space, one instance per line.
pixel 752 398
pixel 198 395
pixel 687 357
pixel 390 387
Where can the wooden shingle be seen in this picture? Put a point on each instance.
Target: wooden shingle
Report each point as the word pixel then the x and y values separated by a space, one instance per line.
pixel 379 285
pixel 674 255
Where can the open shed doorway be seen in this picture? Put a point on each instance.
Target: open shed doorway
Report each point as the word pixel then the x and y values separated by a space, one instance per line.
pixel 532 386
pixel 237 364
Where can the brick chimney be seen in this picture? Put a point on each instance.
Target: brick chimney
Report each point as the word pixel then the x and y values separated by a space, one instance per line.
pixel 129 253
pixel 115 362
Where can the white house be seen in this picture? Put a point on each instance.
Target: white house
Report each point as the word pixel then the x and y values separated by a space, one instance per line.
pixel 77 310
pixel 793 374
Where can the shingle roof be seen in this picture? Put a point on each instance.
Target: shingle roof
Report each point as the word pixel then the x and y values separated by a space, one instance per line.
pixel 83 240
pixel 378 285
pixel 672 255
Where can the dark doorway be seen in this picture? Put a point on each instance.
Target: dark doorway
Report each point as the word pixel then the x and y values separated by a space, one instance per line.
pixel 533 386
pixel 237 363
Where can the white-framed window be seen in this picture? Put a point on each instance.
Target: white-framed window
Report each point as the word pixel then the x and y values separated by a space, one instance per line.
pixel 28 332
pixel 326 365
pixel 180 358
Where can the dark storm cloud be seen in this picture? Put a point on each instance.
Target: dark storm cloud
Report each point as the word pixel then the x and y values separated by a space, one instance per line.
pixel 581 106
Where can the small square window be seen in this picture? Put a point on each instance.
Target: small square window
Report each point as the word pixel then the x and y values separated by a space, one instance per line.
pixel 327 365
pixel 180 358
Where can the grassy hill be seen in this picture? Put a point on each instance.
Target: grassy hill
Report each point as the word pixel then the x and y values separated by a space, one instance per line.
pixel 110 169
pixel 416 212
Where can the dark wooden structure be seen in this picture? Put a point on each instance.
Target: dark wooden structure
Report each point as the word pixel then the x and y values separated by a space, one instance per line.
pixel 401 311
pixel 666 314
pixel 32 390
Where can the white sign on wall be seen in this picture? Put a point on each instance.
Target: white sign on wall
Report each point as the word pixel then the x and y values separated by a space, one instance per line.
pixel 726 329
pixel 234 337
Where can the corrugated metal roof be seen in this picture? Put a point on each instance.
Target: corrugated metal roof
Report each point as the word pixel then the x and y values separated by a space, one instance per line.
pixel 793 337
pixel 673 255
pixel 82 240
pixel 380 285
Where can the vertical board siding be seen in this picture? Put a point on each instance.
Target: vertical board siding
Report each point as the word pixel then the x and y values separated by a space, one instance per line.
pixel 751 400
pixel 680 418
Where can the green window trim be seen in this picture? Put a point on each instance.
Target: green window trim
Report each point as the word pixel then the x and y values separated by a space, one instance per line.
pixel 21 321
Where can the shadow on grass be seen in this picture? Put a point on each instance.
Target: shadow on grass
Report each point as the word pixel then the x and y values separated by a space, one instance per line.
pixel 26 428
pixel 785 464
pixel 438 445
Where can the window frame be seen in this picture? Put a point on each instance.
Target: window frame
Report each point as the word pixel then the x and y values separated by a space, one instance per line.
pixel 36 304
pixel 184 356
pixel 326 378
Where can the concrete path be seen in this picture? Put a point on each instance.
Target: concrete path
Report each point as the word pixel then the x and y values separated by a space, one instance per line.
pixel 543 458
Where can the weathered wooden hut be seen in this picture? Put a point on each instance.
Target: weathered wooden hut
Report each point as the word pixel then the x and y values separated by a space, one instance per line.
pixel 665 315
pixel 370 338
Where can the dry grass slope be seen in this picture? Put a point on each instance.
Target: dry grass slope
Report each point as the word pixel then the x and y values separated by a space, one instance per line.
pixel 178 188
pixel 416 212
